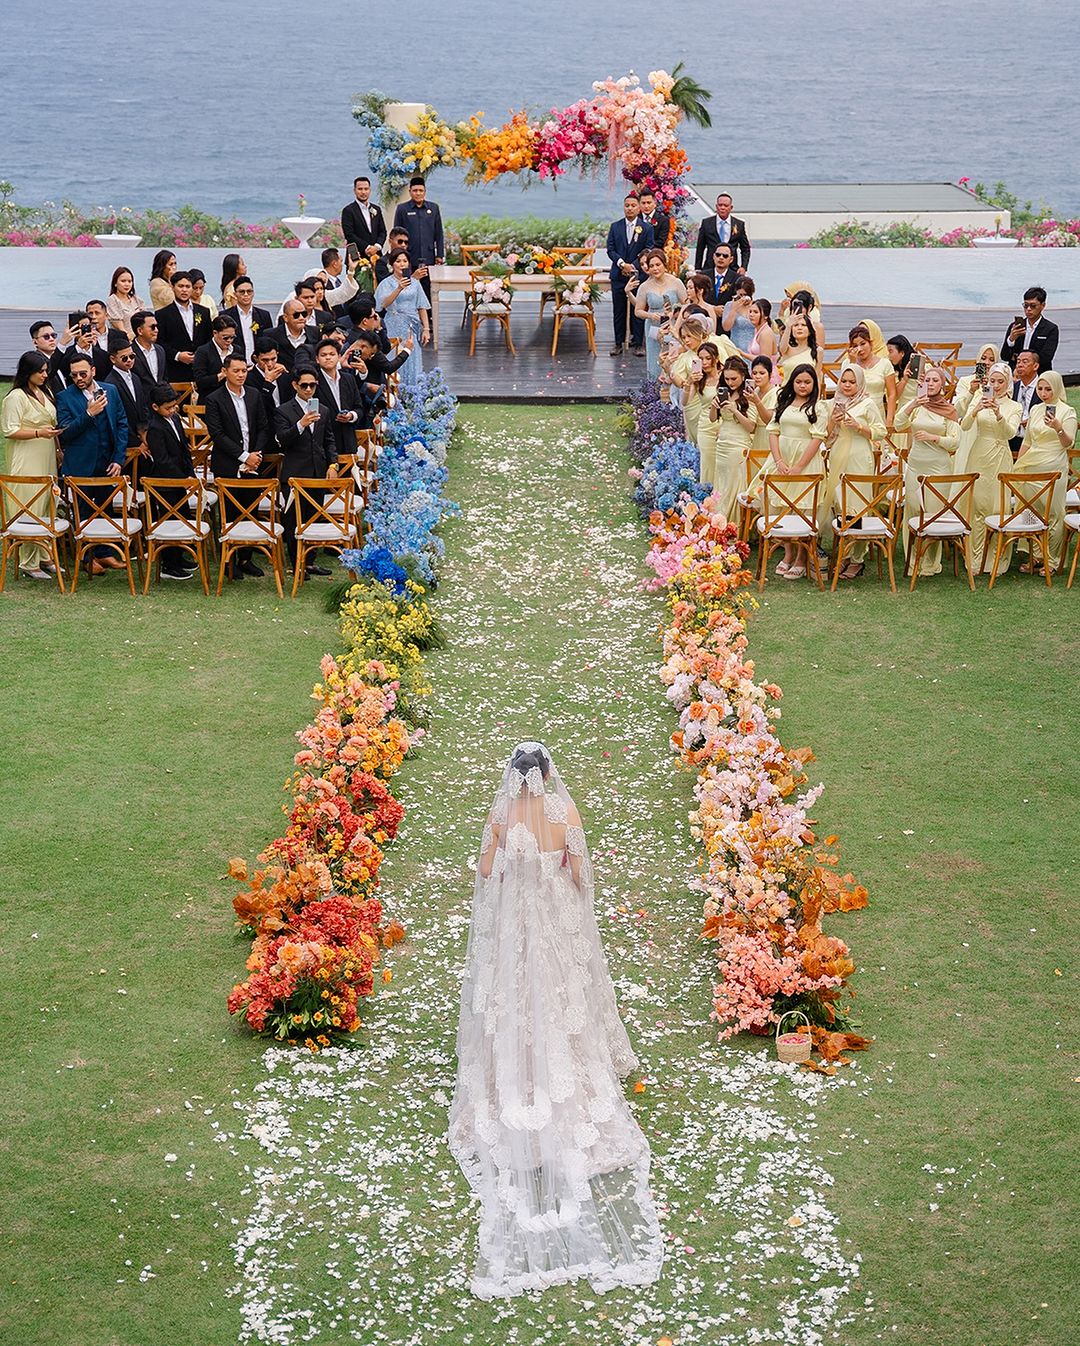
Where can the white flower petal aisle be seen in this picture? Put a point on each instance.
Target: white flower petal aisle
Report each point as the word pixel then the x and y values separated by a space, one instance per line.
pixel 361 1227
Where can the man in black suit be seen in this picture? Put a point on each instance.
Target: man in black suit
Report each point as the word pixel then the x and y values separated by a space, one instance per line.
pixel 627 239
pixel 1023 391
pixel 183 327
pixel 45 337
pixel 151 361
pixel 303 426
pixel 86 343
pixel 208 371
pixel 724 274
pixel 422 221
pixel 270 378
pixel 723 227
pixel 250 320
pixel 239 428
pixel 130 387
pixel 294 337
pixel 659 219
pixel 399 238
pixel 169 455
pixel 1032 332
pixel 362 221
pixel 339 390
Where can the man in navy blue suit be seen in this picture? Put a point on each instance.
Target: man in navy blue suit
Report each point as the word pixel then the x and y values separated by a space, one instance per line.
pixel 94 436
pixel 627 239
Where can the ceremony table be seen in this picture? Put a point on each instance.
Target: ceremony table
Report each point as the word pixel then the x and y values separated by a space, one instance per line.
pixel 456 278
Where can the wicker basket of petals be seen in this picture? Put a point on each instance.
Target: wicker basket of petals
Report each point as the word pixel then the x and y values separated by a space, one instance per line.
pixel 793 1046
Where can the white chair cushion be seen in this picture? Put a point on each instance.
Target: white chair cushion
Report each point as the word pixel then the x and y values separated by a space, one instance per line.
pixel 749 501
pixel 249 532
pixel 940 528
pixel 1072 521
pixel 326 532
pixel 1026 522
pixel 210 499
pixel 491 308
pixel 575 310
pixel 788 525
pixel 24 528
pixel 1072 498
pixel 106 528
pixel 179 530
pixel 870 528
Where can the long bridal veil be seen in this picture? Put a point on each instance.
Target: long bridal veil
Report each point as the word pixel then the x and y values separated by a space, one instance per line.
pixel 539 1122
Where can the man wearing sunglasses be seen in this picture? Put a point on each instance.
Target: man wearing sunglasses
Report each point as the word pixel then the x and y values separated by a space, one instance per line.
pixel 127 383
pixel 294 337
pixel 303 426
pixel 149 362
pixel 46 339
pixel 1032 332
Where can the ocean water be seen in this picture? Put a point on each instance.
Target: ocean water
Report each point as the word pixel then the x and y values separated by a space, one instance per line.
pixel 238 107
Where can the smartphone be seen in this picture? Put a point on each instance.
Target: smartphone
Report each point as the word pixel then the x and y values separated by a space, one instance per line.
pixel 84 327
pixel 915 362
pixel 1051 409
pixel 1020 321
pixel 352 253
pixel 980 371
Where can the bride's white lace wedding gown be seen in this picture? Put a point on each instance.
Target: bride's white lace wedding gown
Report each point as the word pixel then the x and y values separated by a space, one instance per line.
pixel 539 1122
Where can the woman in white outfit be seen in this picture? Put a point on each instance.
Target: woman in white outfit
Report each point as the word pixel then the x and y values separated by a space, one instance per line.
pixel 539 1122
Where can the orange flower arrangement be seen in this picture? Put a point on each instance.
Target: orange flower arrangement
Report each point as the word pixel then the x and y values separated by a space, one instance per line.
pixel 509 149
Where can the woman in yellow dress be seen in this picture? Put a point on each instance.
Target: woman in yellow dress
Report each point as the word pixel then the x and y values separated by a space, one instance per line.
pixel 868 351
pixel 799 346
pixel 795 439
pixel 725 434
pixel 28 419
pixel 678 367
pixel 763 394
pixel 1048 441
pixel 966 389
pixel 900 352
pixel 855 424
pixel 990 419
pixel 935 437
pixel 801 297
pixel 704 381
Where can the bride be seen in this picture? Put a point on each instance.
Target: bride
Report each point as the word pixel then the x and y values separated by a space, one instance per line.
pixel 539 1123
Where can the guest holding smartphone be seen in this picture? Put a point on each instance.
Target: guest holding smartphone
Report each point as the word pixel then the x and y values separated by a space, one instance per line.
pixel 989 421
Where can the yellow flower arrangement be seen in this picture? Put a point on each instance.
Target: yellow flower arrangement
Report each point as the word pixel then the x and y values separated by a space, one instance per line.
pixel 433 143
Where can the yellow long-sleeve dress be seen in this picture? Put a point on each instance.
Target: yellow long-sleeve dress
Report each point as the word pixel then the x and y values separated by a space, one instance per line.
pixel 723 445
pixel 989 455
pixel 694 405
pixel 1043 451
pixel 934 459
pixel 852 452
pixel 29 457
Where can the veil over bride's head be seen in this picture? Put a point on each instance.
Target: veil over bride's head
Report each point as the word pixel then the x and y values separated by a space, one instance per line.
pixel 529 770
pixel 531 795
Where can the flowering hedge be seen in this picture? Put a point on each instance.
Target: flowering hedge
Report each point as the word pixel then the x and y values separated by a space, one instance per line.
pixel 310 904
pixel 766 881
pixel 1043 233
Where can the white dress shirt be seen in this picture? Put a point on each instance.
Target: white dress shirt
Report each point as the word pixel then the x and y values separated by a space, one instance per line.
pixel 240 407
pixel 187 312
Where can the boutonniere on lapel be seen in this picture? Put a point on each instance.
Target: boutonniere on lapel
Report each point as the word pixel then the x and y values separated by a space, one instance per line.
pixel 637 231
pixel 254 327
pixel 198 319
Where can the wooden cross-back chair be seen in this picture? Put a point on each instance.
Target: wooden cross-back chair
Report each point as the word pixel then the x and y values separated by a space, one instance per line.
pixel 747 499
pixel 368 443
pixel 868 505
pixel 481 310
pixel 249 521
pixel 185 392
pixel 30 522
pixel 1025 500
pixel 324 518
pixel 101 514
pixel 174 518
pixel 567 312
pixel 580 257
pixel 789 506
pixel 475 255
pixel 940 352
pixel 945 504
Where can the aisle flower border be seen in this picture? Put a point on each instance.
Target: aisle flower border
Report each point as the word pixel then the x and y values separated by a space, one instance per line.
pixel 310 905
pixel 766 880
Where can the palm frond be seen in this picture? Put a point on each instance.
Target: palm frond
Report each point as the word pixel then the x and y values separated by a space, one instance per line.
pixel 690 97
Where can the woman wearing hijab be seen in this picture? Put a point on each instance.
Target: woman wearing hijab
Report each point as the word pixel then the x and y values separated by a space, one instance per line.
pixel 870 354
pixel 935 437
pixel 1048 441
pixel 855 422
pixel 989 421
pixel 968 390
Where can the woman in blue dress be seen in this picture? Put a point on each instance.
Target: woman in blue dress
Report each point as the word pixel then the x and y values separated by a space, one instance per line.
pixel 736 321
pixel 656 298
pixel 405 308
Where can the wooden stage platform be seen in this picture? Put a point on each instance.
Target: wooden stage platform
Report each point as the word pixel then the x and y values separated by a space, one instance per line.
pixel 493 374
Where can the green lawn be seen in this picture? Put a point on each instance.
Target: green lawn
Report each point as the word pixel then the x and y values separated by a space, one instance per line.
pixel 145 743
